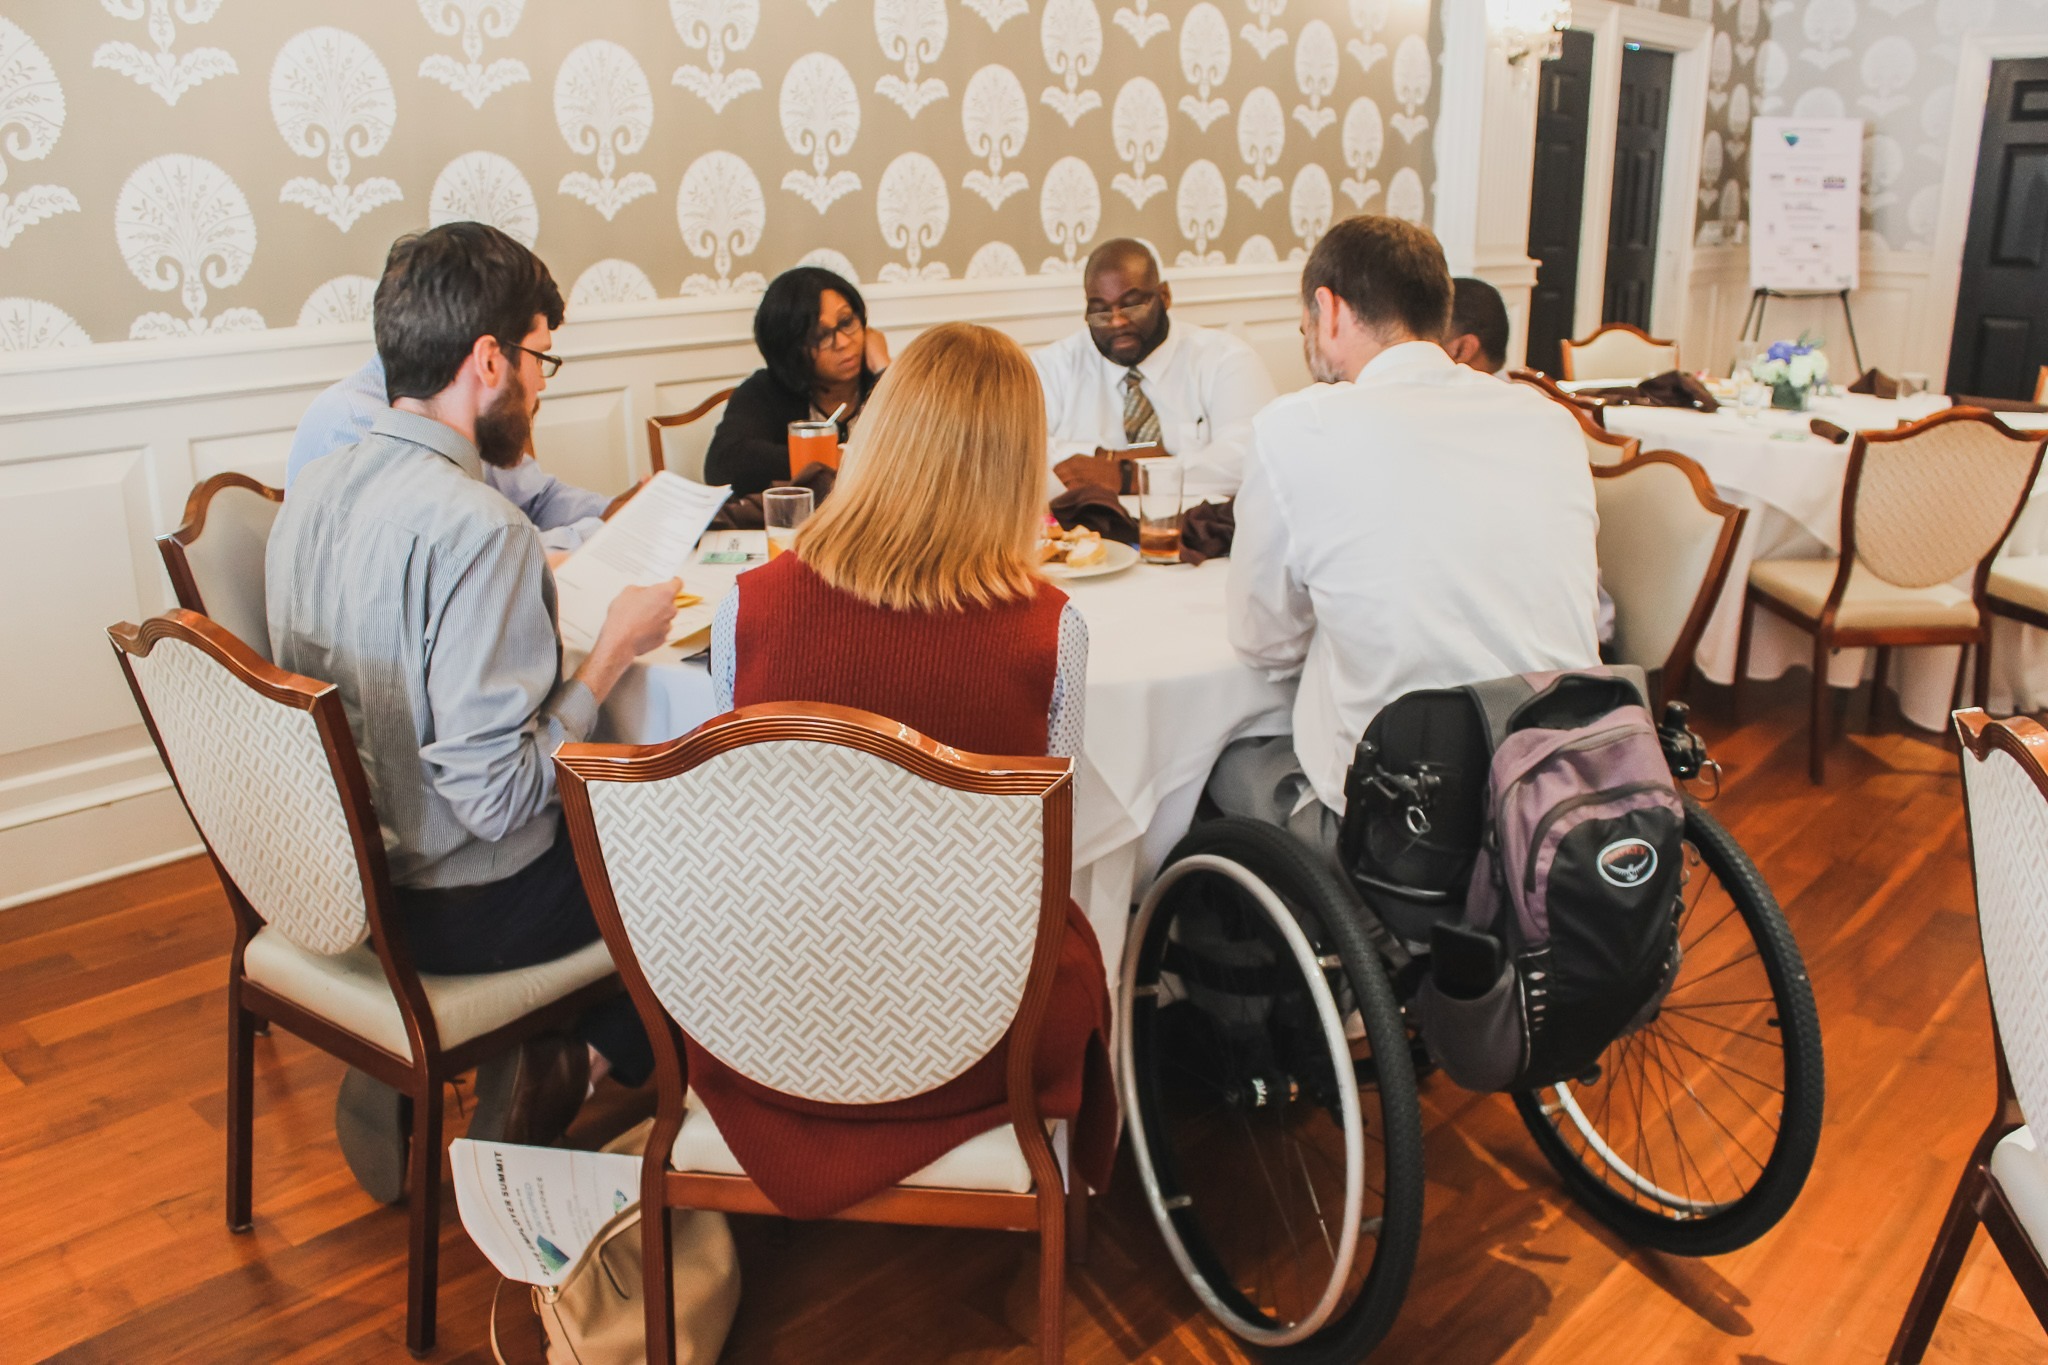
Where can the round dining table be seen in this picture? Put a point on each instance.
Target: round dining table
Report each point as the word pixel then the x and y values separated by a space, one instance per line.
pixel 1165 694
pixel 1791 480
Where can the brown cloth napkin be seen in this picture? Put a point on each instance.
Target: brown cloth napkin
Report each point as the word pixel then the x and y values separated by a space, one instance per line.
pixel 1820 426
pixel 1097 509
pixel 1876 383
pixel 1671 389
pixel 1207 530
pixel 744 514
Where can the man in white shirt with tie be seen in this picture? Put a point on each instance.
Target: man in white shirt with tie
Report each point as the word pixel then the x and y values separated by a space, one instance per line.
pixel 1407 523
pixel 1133 376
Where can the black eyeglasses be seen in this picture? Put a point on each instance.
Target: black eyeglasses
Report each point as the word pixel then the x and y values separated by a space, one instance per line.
pixel 548 363
pixel 849 326
pixel 1099 314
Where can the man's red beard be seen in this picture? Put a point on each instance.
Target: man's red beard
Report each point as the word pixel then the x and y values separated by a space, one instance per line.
pixel 504 431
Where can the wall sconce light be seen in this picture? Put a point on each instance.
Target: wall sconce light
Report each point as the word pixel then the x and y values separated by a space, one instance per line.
pixel 1529 28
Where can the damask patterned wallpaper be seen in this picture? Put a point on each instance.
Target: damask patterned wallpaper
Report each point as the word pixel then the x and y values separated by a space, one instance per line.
pixel 174 168
pixel 1732 63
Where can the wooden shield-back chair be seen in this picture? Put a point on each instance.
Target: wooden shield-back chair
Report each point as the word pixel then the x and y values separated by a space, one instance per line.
pixel 215 559
pixel 840 909
pixel 1618 352
pixel 677 441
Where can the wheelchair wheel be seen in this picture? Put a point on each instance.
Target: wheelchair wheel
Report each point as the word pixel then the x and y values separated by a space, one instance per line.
pixel 1695 1131
pixel 1282 1160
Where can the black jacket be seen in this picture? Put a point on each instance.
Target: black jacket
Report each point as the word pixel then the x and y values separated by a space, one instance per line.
pixel 750 449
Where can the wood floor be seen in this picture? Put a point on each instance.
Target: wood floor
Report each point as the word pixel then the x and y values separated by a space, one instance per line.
pixel 112 1068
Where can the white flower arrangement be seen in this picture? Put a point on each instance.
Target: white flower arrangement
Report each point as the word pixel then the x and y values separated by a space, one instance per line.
pixel 1800 364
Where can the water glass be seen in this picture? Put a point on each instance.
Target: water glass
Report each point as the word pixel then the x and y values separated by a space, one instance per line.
pixel 1751 398
pixel 783 510
pixel 1161 488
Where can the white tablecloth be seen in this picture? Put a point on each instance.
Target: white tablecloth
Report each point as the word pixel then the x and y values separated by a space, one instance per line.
pixel 1791 480
pixel 1165 694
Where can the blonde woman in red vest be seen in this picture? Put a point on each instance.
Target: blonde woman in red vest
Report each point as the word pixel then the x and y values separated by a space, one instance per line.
pixel 915 593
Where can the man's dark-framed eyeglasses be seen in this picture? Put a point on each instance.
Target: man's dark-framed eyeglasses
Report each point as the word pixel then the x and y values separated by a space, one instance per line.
pixel 1100 314
pixel 548 363
pixel 848 328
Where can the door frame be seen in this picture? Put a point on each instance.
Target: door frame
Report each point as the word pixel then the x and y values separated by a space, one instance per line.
pixel 1689 42
pixel 1959 182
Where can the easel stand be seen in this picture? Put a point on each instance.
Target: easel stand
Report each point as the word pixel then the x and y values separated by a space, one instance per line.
pixel 1753 320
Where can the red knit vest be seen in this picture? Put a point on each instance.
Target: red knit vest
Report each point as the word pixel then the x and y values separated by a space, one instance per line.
pixel 979 679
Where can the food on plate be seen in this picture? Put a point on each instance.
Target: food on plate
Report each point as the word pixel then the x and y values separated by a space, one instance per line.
pixel 1077 549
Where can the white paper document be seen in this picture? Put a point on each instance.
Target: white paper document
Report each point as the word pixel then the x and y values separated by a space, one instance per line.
pixel 533 1210
pixel 646 541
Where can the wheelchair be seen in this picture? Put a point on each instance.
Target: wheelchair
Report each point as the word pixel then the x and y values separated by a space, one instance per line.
pixel 1270 1081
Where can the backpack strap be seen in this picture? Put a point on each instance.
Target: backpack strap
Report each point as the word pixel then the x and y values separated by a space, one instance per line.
pixel 1498 699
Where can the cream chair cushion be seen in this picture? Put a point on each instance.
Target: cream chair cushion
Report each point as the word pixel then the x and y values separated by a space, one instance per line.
pixel 1869 604
pixel 684 447
pixel 991 1161
pixel 2021 580
pixel 1620 356
pixel 349 990
pixel 1656 543
pixel 227 563
pixel 2021 1170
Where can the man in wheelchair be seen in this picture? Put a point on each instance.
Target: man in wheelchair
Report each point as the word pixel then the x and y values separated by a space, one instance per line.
pixel 1406 523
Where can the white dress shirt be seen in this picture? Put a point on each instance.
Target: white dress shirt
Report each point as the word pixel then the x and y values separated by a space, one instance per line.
pixel 1205 384
pixel 1423 526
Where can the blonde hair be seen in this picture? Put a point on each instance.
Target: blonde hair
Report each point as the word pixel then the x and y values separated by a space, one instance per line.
pixel 942 491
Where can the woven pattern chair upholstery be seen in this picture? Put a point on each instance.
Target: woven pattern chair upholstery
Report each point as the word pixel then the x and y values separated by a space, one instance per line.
pixel 2005 1184
pixel 1665 545
pixel 827 893
pixel 1929 507
pixel 256 776
pixel 215 559
pixel 1619 352
pixel 1922 506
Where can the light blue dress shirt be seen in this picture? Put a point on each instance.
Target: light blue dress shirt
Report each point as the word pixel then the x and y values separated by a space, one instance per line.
pixel 344 412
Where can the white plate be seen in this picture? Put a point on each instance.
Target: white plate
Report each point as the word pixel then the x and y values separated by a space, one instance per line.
pixel 1119 557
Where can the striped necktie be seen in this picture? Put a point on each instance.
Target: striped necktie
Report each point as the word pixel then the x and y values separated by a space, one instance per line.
pixel 1140 422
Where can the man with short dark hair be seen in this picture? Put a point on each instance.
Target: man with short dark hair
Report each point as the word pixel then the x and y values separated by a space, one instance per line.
pixel 397 574
pixel 1133 379
pixel 1408 524
pixel 1478 334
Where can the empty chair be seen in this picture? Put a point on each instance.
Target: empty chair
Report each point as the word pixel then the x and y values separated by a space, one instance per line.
pixel 1666 541
pixel 1603 447
pixel 678 441
pixel 215 559
pixel 1921 506
pixel 1618 352
pixel 939 880
pixel 269 772
pixel 2004 1185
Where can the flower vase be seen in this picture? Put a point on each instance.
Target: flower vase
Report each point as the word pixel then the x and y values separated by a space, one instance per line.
pixel 1791 397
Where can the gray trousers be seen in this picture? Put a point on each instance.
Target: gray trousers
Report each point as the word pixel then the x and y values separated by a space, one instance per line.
pixel 1261 779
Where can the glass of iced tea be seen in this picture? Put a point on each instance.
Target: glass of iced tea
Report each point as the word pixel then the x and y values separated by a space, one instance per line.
pixel 783 510
pixel 813 443
pixel 1160 486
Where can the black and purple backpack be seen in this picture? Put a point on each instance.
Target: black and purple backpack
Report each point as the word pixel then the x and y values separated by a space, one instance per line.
pixel 1528 831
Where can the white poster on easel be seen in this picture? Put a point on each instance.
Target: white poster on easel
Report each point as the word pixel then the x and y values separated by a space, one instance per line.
pixel 1804 197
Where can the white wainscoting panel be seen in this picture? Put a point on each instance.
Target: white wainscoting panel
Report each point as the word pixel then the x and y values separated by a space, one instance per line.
pixel 1896 321
pixel 99 448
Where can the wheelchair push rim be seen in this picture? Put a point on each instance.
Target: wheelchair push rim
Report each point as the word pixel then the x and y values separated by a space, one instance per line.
pixel 1173 1207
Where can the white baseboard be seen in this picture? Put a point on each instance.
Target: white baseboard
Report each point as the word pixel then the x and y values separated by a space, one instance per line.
pixel 92 844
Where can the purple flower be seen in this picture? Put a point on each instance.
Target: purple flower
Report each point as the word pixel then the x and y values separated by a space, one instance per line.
pixel 1781 350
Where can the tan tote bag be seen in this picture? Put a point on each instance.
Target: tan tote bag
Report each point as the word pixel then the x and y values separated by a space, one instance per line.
pixel 597 1315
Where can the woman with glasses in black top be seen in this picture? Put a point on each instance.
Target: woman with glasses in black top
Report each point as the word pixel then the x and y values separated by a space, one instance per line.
pixel 822 357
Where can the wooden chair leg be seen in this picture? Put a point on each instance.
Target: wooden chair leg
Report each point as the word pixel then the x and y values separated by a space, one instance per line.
pixel 657 1254
pixel 1816 763
pixel 1875 725
pixel 1077 1223
pixel 1742 656
pixel 241 1110
pixel 1938 1276
pixel 424 1194
pixel 1052 1278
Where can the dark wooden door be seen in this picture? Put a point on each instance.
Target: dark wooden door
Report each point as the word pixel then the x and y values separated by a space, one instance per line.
pixel 1557 195
pixel 1638 186
pixel 2001 336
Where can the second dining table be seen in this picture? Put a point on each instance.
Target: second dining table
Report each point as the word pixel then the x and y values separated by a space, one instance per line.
pixel 1165 694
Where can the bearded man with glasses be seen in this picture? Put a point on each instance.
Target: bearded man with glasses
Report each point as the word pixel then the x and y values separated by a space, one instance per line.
pixel 397 573
pixel 1133 383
